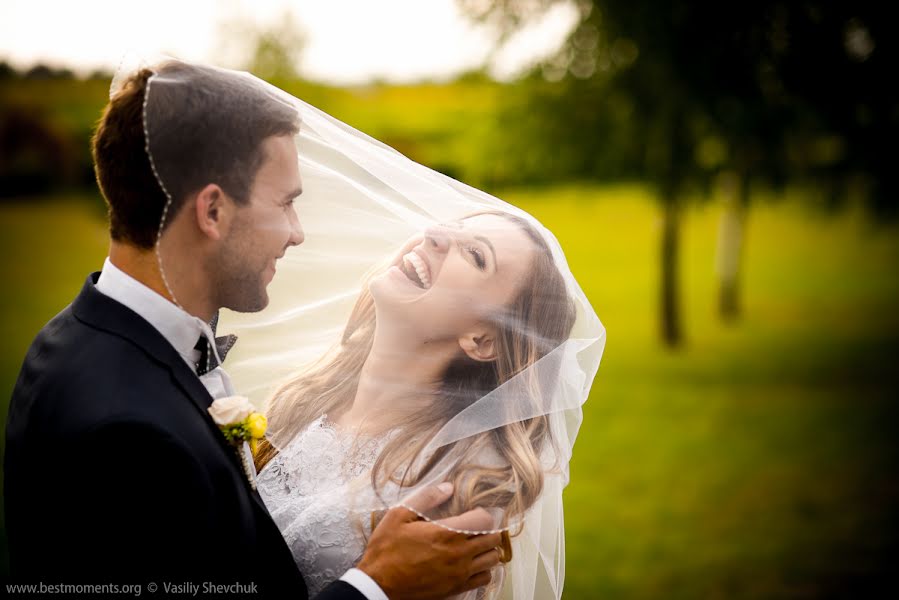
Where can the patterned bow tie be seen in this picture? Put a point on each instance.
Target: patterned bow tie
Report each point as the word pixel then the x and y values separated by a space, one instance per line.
pixel 223 345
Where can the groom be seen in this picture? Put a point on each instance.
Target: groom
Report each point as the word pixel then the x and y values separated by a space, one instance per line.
pixel 114 470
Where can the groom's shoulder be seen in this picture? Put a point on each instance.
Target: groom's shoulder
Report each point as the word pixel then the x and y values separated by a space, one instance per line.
pixel 73 367
pixel 67 346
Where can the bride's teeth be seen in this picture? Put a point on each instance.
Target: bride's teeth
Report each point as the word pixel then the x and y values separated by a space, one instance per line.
pixel 420 268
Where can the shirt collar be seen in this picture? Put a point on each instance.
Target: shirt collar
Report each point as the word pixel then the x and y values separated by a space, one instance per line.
pixel 180 329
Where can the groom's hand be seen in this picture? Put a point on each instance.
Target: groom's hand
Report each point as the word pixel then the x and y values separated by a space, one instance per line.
pixel 411 558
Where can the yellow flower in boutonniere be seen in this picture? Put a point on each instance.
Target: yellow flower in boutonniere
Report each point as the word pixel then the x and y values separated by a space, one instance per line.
pixel 256 426
pixel 239 423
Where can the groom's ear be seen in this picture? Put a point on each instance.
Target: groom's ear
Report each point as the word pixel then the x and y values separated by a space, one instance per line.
pixel 212 209
pixel 479 345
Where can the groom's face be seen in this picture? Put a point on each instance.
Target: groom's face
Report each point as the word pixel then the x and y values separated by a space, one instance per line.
pixel 262 230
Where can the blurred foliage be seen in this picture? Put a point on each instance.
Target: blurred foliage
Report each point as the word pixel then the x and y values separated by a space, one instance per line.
pixel 772 89
pixel 46 122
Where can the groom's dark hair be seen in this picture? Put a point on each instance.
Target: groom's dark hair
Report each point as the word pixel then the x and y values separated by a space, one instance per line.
pixel 206 128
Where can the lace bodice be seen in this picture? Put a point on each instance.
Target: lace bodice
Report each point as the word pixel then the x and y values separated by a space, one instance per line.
pixel 308 488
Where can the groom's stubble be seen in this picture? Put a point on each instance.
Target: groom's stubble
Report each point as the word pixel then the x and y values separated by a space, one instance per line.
pixel 236 271
pixel 261 231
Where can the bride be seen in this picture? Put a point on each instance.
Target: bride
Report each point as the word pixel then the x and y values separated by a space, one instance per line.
pixel 464 308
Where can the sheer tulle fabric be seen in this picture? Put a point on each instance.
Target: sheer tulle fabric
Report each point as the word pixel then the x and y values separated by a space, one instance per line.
pixel 361 205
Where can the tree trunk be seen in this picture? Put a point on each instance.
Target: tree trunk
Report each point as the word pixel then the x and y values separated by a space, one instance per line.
pixel 730 246
pixel 670 305
pixel 667 152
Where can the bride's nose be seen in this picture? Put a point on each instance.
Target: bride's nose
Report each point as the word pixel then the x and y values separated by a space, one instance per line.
pixel 437 238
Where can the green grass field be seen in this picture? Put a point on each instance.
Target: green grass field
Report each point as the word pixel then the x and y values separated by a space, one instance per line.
pixel 758 461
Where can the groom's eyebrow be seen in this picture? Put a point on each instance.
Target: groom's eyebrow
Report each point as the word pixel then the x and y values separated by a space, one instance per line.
pixel 293 194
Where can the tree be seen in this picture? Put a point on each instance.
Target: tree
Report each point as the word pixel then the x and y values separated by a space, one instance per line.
pixel 627 46
pixel 272 52
pixel 764 90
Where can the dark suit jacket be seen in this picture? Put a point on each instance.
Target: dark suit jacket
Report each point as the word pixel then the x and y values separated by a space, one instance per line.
pixel 114 470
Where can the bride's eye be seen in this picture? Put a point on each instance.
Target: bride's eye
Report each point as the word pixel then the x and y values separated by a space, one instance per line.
pixel 478 257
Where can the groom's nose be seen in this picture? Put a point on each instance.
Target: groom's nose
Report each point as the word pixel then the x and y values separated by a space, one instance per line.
pixel 296 230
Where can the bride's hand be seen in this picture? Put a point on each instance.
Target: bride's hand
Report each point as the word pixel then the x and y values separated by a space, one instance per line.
pixel 412 558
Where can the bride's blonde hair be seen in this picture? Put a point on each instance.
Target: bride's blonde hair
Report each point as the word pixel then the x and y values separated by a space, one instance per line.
pixel 537 320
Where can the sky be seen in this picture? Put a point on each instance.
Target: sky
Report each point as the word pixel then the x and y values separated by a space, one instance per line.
pixel 347 41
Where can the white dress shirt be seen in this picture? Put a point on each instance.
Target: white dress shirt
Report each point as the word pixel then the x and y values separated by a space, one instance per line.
pixel 182 330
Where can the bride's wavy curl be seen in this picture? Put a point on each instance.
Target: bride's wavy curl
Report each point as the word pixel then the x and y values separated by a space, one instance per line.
pixel 537 320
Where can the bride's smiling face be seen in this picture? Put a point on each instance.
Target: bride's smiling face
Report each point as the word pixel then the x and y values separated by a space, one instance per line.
pixel 450 279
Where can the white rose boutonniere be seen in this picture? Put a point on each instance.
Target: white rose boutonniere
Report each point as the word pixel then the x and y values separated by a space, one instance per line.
pixel 231 410
pixel 239 422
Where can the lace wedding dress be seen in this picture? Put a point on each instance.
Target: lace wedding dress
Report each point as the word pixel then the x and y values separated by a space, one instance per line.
pixel 308 488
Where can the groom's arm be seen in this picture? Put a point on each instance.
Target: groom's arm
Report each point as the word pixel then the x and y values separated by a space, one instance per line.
pixel 409 558
pixel 342 590
pixel 367 586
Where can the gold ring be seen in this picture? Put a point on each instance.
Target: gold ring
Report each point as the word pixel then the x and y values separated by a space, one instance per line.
pixel 505 547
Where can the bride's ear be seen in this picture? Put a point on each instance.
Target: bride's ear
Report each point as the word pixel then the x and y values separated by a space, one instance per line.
pixel 479 345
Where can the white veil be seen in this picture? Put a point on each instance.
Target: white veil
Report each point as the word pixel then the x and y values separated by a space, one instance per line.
pixel 362 203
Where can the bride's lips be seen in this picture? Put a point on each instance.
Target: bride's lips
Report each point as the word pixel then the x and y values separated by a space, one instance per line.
pixel 410 274
pixel 416 267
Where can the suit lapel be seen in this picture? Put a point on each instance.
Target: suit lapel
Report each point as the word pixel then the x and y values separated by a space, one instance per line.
pixel 102 312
